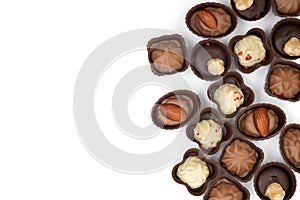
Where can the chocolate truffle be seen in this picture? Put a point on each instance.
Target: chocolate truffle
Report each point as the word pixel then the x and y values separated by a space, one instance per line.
pixel 211 20
pixel 167 54
pixel 256 118
pixel 210 59
pixel 251 50
pixel 287 7
pixel 175 109
pixel 284 81
pixel 260 121
pixel 291 146
pixel 209 131
pixel 275 180
pixel 195 172
pixel 230 94
pixel 251 10
pixel 229 97
pixel 227 188
pixel 284 38
pixel 239 158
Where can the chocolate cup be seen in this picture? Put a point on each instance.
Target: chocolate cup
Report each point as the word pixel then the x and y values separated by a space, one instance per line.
pixel 281 120
pixel 258 10
pixel 288 127
pixel 195 110
pixel 281 33
pixel 269 53
pixel 236 79
pixel 210 114
pixel 264 178
pixel 176 37
pixel 260 157
pixel 205 50
pixel 272 68
pixel 280 14
pixel 224 178
pixel 212 167
pixel 215 5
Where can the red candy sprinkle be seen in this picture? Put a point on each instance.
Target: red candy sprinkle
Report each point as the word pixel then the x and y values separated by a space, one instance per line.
pixel 212 143
pixel 240 53
pixel 256 16
pixel 244 67
pixel 241 97
pixel 248 57
pixel 282 96
pixel 216 130
pixel 235 92
pixel 264 60
pixel 193 154
pixel 198 134
pixel 298 9
pixel 207 44
pixel 210 125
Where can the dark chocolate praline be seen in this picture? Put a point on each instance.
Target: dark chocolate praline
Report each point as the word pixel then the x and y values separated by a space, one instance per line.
pixel 275 172
pixel 203 52
pixel 258 10
pixel 281 33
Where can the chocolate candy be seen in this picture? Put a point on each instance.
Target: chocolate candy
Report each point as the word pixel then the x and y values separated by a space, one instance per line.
pixel 257 10
pixel 225 128
pixel 211 166
pixel 287 7
pixel 206 52
pixel 271 173
pixel 260 121
pixel 283 81
pixel 211 20
pixel 281 33
pixel 251 50
pixel 290 145
pixel 232 78
pixel 227 188
pixel 175 109
pixel 241 158
pixel 167 54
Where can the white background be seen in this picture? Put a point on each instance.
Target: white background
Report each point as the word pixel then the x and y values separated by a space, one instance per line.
pixel 42 47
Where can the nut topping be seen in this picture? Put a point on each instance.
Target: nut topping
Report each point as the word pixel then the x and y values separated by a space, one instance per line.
pixel 173 112
pixel 208 19
pixel 275 192
pixel 261 120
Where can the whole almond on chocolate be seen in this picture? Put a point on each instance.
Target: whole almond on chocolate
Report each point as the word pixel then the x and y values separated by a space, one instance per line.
pixel 173 112
pixel 261 120
pixel 208 19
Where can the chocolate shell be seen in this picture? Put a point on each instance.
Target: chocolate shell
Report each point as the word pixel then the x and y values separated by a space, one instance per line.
pixel 203 52
pixel 258 10
pixel 274 172
pixel 212 167
pixel 175 109
pixel 286 8
pixel 289 146
pixel 293 81
pixel 210 114
pixel 281 33
pixel 246 119
pixel 232 189
pixel 236 79
pixel 167 54
pixel 241 158
pixel 269 53
pixel 223 17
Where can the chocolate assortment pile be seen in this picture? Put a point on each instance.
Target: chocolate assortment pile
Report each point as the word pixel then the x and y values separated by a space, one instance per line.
pixel 239 158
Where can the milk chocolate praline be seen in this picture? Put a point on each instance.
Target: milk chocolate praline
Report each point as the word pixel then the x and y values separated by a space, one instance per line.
pixel 281 33
pixel 258 10
pixel 246 121
pixel 167 54
pixel 236 79
pixel 285 8
pixel 204 51
pixel 168 107
pixel 271 89
pixel 212 167
pixel 210 114
pixel 290 146
pixel 224 18
pixel 268 55
pixel 225 187
pixel 274 172
pixel 241 158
